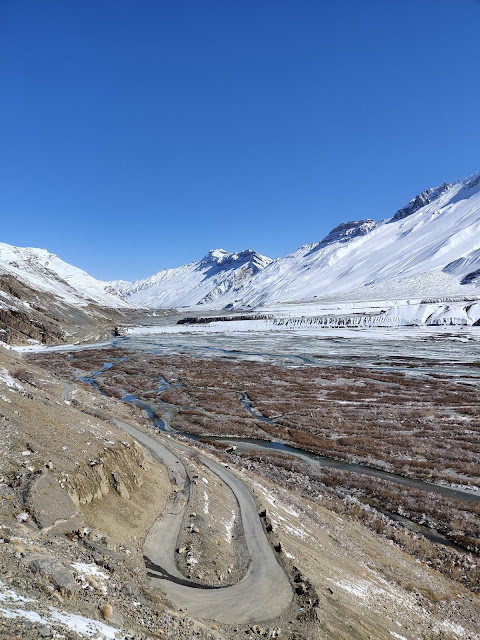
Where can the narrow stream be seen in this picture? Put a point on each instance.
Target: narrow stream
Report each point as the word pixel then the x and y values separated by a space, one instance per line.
pixel 90 380
pixel 157 422
pixel 249 444
pixel 334 463
pixel 256 443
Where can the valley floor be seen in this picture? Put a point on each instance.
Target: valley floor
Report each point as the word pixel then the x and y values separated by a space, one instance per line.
pixel 361 457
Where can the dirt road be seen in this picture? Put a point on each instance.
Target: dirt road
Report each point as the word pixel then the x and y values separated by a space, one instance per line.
pixel 265 591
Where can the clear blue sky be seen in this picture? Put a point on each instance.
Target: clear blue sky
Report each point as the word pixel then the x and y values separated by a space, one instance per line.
pixel 138 135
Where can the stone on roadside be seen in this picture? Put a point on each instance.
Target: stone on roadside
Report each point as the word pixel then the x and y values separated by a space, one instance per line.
pixel 54 571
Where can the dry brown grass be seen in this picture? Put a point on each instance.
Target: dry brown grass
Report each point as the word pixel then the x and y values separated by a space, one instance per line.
pixel 427 428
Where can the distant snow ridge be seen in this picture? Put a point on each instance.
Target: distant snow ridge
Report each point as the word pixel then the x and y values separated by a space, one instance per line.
pixel 430 247
pixel 44 271
pixel 199 283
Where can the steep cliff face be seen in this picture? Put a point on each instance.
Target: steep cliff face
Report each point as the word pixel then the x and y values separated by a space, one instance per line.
pixel 30 315
pixel 21 316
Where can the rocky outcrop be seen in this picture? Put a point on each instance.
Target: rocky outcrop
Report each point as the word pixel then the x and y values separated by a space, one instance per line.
pixel 120 469
pixel 471 278
pixel 17 327
pixel 50 505
pixel 348 230
pixel 54 572
pixel 426 197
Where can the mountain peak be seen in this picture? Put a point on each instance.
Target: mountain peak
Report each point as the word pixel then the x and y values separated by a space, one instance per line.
pixel 214 256
pixel 202 282
pixel 223 259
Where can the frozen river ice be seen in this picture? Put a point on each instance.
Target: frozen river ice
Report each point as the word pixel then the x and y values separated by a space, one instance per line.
pixel 415 351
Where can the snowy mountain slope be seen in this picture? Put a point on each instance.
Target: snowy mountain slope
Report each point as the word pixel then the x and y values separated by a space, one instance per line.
pixel 466 267
pixel 46 272
pixel 205 282
pixel 430 247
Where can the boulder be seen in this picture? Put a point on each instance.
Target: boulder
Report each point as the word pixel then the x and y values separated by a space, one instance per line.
pixel 54 572
pixel 50 505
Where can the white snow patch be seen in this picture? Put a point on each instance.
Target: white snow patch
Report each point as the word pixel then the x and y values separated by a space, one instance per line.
pixel 360 589
pixel 266 494
pixel 205 506
pixel 8 595
pixel 84 626
pixel 299 533
pixel 290 511
pixel 229 527
pixel 87 627
pixel 33 616
pixel 23 517
pixel 89 570
pixel 7 379
pixel 447 626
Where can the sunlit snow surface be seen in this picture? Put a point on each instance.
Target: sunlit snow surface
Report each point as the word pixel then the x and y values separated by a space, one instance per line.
pixel 427 253
pixel 216 275
pixel 428 249
pixel 44 271
pixel 419 267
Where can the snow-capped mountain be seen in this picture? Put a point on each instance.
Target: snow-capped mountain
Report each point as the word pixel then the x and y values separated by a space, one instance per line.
pixel 207 282
pixel 46 272
pixel 430 247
